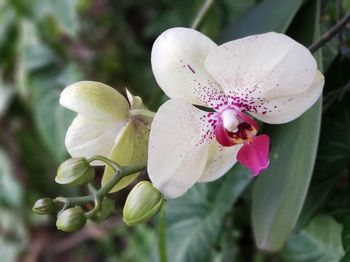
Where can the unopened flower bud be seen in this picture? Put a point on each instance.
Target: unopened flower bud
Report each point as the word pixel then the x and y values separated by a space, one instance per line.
pixel 75 171
pixel 71 219
pixel 44 206
pixel 142 203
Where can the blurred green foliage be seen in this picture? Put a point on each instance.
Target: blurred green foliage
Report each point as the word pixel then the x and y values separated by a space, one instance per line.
pixel 46 45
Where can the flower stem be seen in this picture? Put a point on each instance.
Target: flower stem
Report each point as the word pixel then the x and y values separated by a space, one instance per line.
pixel 105 160
pixel 201 13
pixel 330 34
pixel 162 236
pixel 122 172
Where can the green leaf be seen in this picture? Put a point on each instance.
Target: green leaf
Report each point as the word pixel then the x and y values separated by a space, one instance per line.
pixel 7 20
pixel 6 93
pixel 194 220
pixel 280 191
pixel 13 237
pixel 63 11
pixel 320 241
pixel 346 234
pixel 33 55
pixel 330 50
pixel 315 199
pixel 10 190
pixel 269 15
pixel 332 158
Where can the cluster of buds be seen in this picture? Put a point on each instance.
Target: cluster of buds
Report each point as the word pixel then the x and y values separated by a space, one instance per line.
pixel 142 203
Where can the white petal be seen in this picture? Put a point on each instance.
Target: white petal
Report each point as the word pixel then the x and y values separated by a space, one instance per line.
pixel 87 137
pixel 220 160
pixel 178 57
pixel 95 100
pixel 287 108
pixel 177 151
pixel 262 66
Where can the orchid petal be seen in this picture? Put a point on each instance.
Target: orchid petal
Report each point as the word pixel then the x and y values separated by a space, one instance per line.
pixel 255 154
pixel 178 147
pixel 95 100
pixel 87 137
pixel 178 57
pixel 283 109
pixel 130 148
pixel 262 66
pixel 220 160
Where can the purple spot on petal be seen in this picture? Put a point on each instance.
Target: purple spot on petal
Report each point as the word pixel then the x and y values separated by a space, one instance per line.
pixel 192 70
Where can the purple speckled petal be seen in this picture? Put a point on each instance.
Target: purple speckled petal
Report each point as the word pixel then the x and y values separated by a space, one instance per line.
pixel 177 59
pixel 264 74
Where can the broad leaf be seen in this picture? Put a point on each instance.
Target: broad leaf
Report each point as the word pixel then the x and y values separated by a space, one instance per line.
pixel 10 190
pixel 63 11
pixel 13 237
pixel 346 234
pixel 280 191
pixel 33 55
pixel 269 15
pixel 320 241
pixel 194 220
pixel 6 93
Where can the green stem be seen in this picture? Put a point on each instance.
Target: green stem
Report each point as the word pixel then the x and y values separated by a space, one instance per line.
pixel 96 208
pixel 201 13
pixel 122 172
pixel 162 236
pixel 105 160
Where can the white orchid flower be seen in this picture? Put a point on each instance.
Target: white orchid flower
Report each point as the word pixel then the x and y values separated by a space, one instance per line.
pixel 270 76
pixel 107 124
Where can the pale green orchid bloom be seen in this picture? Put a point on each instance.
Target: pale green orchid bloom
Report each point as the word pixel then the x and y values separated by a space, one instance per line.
pixel 107 124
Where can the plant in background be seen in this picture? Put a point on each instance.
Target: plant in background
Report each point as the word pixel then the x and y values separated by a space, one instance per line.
pixel 199 135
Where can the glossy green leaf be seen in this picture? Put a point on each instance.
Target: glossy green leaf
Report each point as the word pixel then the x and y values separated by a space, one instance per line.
pixel 346 234
pixel 280 191
pixel 332 158
pixel 6 93
pixel 320 241
pixel 33 55
pixel 269 15
pixel 13 235
pixel 194 220
pixel 63 11
pixel 10 190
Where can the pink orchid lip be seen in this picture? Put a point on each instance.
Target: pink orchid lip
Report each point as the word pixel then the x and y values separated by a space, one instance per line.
pixel 254 154
pixel 246 129
pixel 222 135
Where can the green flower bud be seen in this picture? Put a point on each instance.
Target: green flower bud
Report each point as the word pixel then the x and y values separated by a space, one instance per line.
pixel 44 206
pixel 71 219
pixel 75 171
pixel 142 203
